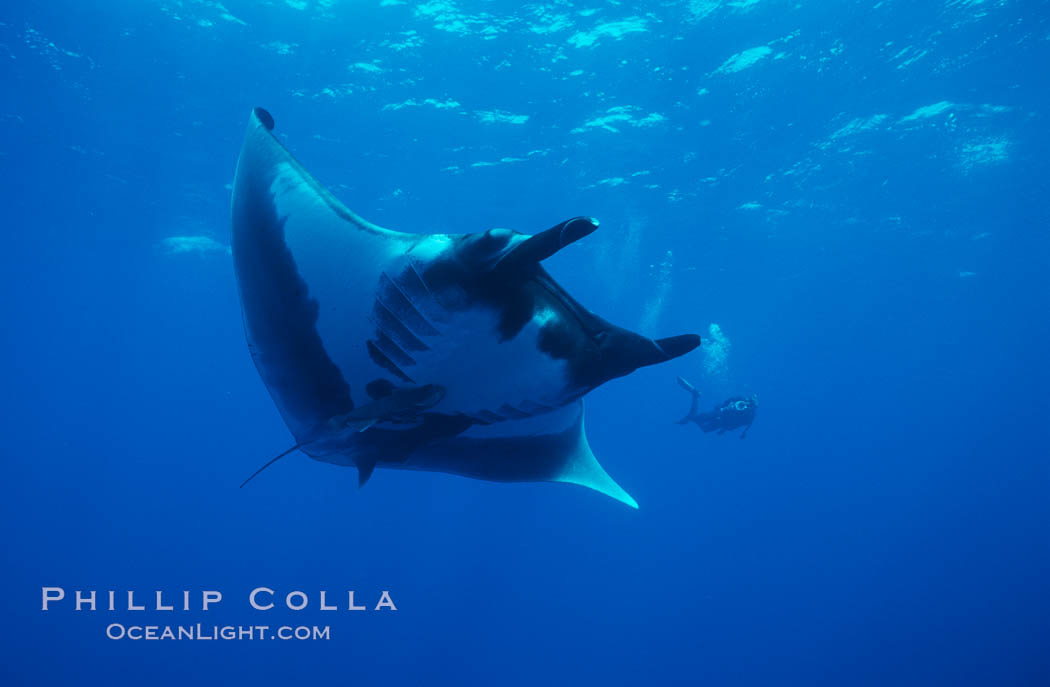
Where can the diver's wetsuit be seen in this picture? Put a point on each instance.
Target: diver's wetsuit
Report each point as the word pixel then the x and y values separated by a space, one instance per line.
pixel 734 413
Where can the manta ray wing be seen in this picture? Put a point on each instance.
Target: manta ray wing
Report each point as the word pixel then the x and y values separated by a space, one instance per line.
pixel 551 447
pixel 290 238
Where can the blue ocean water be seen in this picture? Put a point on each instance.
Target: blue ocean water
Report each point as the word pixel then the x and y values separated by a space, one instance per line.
pixel 852 193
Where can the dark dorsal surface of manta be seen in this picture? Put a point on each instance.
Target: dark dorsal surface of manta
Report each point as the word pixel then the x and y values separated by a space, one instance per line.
pixel 453 353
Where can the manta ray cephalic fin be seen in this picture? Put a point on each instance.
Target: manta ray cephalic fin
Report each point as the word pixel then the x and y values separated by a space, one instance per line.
pixel 543 245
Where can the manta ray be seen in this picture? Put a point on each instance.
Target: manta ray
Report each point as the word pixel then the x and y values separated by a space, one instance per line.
pixel 453 353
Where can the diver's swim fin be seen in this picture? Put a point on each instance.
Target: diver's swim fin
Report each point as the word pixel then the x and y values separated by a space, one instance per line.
pixel 694 406
pixel 269 463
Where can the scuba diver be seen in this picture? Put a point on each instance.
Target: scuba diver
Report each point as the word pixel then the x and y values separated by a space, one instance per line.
pixel 734 413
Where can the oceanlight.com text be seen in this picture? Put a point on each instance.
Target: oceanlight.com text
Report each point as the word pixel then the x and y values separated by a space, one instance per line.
pixel 199 632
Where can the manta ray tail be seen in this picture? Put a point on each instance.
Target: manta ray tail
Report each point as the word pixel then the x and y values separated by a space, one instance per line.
pixel 269 463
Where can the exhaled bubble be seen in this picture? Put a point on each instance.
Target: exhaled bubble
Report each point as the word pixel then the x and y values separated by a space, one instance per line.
pixel 716 353
pixel 654 306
